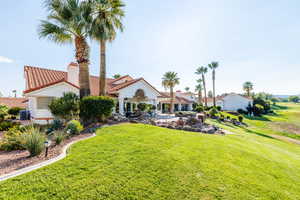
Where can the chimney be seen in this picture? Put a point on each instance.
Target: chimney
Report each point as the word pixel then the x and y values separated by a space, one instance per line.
pixel 73 73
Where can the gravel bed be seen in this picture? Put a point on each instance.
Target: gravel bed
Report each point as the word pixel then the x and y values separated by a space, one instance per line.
pixel 14 160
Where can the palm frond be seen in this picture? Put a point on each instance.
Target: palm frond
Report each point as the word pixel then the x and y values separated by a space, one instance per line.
pixel 54 33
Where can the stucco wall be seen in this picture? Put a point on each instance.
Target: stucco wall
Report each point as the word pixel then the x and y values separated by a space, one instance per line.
pixel 235 102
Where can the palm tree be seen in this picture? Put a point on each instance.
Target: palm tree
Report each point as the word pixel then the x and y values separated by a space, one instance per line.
pixel 187 89
pixel 199 88
pixel 169 80
pixel 248 87
pixel 213 66
pixel 69 21
pixel 107 20
pixel 202 71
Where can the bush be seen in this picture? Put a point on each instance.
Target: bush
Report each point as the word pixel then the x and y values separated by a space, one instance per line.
pixel 33 141
pixel 95 108
pixel 258 110
pixel 241 118
pixel 213 112
pixel 12 140
pixel 3 112
pixel 58 137
pixel 6 125
pixel 142 106
pixel 74 127
pixel 219 108
pixel 14 111
pixel 185 114
pixel 66 107
pixel 199 108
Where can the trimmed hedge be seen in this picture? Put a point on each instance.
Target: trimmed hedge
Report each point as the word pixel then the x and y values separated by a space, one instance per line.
pixel 95 108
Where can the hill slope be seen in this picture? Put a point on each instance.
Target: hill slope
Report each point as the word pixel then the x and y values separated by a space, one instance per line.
pixel 146 162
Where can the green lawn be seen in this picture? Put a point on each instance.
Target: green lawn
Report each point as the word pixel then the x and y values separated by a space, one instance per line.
pixel 145 162
pixel 285 121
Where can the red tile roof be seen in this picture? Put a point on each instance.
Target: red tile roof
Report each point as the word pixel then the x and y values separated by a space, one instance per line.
pixel 38 78
pixel 13 102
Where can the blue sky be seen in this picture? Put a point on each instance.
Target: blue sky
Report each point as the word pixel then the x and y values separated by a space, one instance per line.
pixel 253 40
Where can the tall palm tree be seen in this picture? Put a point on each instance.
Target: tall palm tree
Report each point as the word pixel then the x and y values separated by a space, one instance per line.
pixel 107 20
pixel 202 71
pixel 69 21
pixel 199 88
pixel 169 81
pixel 116 76
pixel 213 66
pixel 248 87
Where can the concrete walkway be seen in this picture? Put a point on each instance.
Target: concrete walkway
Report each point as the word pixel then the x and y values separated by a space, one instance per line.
pixel 42 164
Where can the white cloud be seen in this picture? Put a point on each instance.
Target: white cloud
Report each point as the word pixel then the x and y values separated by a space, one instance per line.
pixel 5 60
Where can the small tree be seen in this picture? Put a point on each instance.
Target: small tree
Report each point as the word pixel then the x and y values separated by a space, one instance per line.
pixel 294 99
pixel 66 107
pixel 15 111
pixel 3 112
pixel 95 108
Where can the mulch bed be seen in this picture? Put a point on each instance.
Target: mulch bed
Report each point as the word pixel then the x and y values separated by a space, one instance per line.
pixel 14 160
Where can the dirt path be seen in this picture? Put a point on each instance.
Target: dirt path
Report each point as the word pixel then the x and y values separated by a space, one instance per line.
pixel 286 139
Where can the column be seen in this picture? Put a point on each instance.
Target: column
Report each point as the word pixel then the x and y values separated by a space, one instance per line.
pixel 121 106
pixel 190 107
pixel 179 107
pixel 131 107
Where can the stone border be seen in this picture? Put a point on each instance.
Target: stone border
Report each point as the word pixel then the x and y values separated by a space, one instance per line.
pixel 42 164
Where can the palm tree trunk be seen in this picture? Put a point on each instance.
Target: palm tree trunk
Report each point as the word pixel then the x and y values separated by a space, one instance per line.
pixel 200 97
pixel 172 100
pixel 214 88
pixel 82 57
pixel 102 82
pixel 204 87
pixel 248 93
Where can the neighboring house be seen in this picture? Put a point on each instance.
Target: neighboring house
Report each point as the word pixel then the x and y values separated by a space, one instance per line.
pixel 42 85
pixel 183 101
pixel 13 102
pixel 231 102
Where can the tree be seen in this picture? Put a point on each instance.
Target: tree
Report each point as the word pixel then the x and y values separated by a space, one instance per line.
pixel 107 20
pixel 294 99
pixel 202 71
pixel 169 81
pixel 199 88
pixel 69 21
pixel 213 66
pixel 187 89
pixel 248 87
pixel 15 93
pixel 116 76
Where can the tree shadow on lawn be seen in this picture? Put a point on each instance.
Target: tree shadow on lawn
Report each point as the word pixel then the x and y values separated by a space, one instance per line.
pixel 257 133
pixel 261 118
pixel 278 107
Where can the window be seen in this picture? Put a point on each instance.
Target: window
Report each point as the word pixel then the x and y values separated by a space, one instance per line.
pixel 43 102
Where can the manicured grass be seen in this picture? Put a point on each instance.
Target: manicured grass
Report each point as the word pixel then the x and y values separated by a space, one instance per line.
pixel 145 162
pixel 285 121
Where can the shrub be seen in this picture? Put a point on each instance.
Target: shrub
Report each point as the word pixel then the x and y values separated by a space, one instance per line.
pixel 3 112
pixel 219 108
pixel 258 110
pixel 241 118
pixel 142 106
pixel 66 107
pixel 74 127
pixel 12 140
pixel 213 112
pixel 58 137
pixel 199 108
pixel 6 125
pixel 14 111
pixel 33 141
pixel 95 108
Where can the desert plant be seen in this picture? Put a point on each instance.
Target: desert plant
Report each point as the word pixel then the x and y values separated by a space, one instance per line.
pixel 33 141
pixel 169 81
pixel 199 108
pixel 95 108
pixel 66 107
pixel 202 71
pixel 12 140
pixel 3 112
pixel 213 112
pixel 6 125
pixel 213 66
pixel 74 127
pixel 58 137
